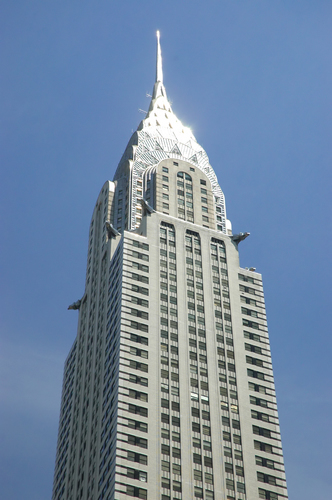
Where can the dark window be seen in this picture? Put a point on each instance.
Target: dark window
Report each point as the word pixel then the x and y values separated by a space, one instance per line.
pixel 137 457
pixel 138 410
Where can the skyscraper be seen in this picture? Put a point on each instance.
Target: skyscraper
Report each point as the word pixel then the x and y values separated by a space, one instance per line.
pixel 168 389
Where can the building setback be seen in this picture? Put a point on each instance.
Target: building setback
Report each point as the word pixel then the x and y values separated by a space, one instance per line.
pixel 168 389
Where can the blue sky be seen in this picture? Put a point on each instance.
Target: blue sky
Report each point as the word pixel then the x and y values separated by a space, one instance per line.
pixel 252 79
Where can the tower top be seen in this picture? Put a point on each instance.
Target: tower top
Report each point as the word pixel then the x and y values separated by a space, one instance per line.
pixel 159 65
pixel 159 136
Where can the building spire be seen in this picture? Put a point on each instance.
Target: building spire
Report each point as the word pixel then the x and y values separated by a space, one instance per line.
pixel 159 70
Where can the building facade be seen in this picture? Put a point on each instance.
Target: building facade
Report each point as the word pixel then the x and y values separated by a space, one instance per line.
pixel 168 390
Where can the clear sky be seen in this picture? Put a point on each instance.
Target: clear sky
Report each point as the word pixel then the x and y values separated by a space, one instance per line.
pixel 252 78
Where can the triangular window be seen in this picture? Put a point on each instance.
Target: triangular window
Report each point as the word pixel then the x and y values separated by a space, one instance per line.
pixel 176 150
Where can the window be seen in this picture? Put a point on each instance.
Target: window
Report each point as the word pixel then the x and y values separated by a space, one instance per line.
pixel 226 436
pixel 137 457
pixel 140 314
pixel 239 470
pixel 139 301
pixel 165 433
pixel 207 446
pixel 235 424
pixel 139 339
pixel 165 418
pixel 228 468
pixel 195 427
pixel 268 495
pixel 136 474
pixel 138 366
pixel 240 487
pixel 140 267
pixel 252 336
pixel 266 478
pixel 198 492
pixel 138 380
pixel 203 182
pixel 197 475
pixel 247 300
pixel 139 255
pixel 195 412
pixel 259 402
pixel 247 289
pixel 133 491
pixel 176 485
pixel 264 462
pixel 261 431
pixel 254 361
pixel 139 352
pixel 230 484
pixel 227 451
pixel 142 396
pixel 208 478
pixel 194 382
pixel 138 277
pixel 165 449
pixel 176 436
pixel 165 466
pixel 165 169
pixel 204 386
pixel 139 326
pixel 176 452
pixel 135 424
pixel 249 279
pixel 138 244
pixel 236 439
pixel 175 406
pixel 263 447
pixel 176 421
pixel 165 483
pixel 137 441
pixel 196 442
pixel 255 374
pixel 249 312
pixel 257 388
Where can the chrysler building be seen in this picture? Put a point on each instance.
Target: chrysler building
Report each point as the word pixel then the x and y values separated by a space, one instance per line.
pixel 168 389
